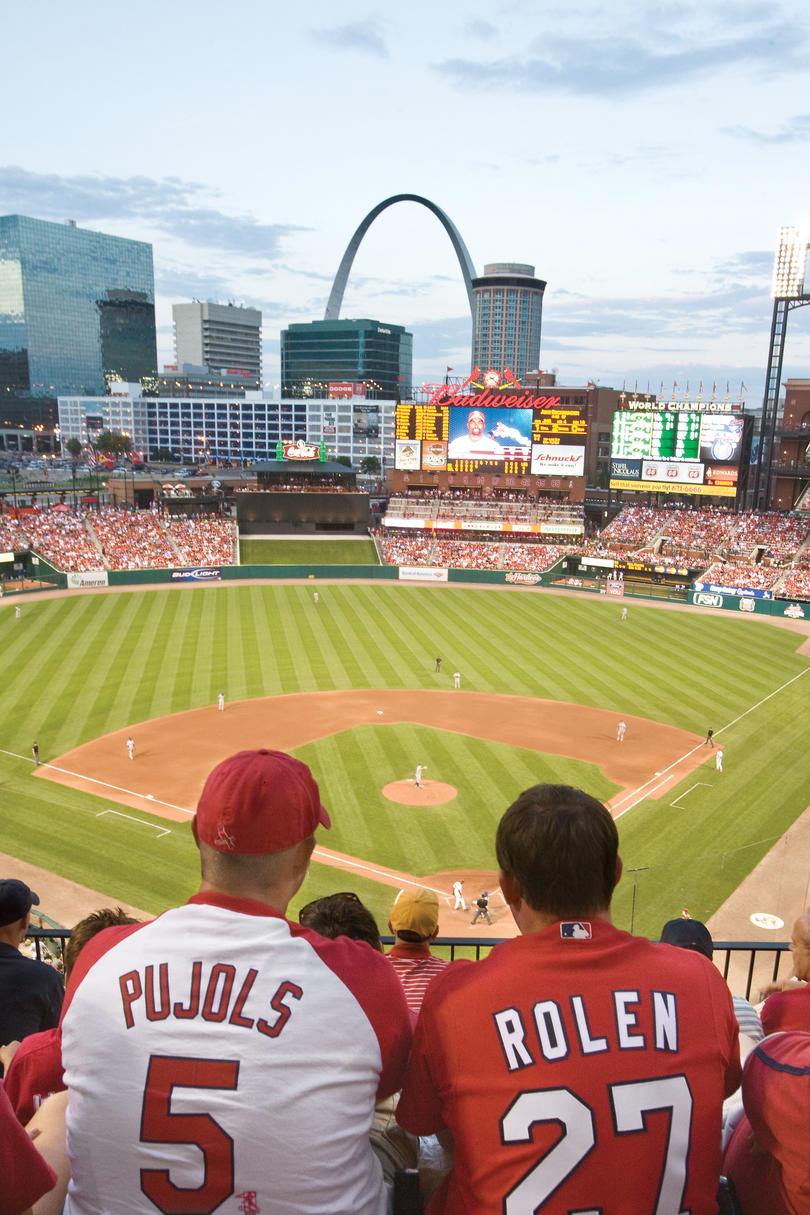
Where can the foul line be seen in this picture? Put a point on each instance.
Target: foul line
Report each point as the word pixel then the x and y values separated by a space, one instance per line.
pixel 697 747
pixel 161 831
pixel 680 796
pixel 146 797
pixel 348 863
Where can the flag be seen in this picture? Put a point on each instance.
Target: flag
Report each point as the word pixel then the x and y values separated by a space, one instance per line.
pixel 91 455
pixel 449 369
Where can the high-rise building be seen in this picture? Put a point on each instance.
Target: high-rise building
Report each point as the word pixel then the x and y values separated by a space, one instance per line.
pixel 224 337
pixel 323 353
pixel 77 308
pixel 507 314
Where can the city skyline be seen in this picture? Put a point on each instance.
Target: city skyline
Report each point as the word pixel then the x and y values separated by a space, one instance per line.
pixel 644 173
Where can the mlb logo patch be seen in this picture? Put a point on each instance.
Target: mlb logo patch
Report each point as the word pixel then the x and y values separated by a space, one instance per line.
pixel 576 930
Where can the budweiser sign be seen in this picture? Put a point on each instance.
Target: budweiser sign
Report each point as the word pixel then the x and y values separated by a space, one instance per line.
pixel 301 451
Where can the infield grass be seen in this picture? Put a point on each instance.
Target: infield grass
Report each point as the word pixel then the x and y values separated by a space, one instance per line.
pixel 75 668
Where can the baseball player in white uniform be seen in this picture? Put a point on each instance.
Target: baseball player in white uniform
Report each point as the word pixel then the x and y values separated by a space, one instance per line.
pixel 621 730
pixel 624 613
pixel 315 597
pixel 458 896
pixel 17 612
pixel 259 1035
pixel 718 760
pixel 457 679
pixel 418 776
pixel 131 747
pixel 221 702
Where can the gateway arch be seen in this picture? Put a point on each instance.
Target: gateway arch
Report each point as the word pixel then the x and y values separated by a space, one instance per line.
pixel 344 269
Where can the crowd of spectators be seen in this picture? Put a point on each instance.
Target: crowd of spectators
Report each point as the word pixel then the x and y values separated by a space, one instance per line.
pixel 795 584
pixel 62 538
pixel 202 540
pixel 701 531
pixel 133 540
pixel 747 577
pixel 406 1045
pixel 634 525
pixel 402 548
pixel 782 535
pixel 119 539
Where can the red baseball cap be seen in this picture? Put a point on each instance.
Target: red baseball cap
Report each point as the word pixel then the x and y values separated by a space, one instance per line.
pixel 258 802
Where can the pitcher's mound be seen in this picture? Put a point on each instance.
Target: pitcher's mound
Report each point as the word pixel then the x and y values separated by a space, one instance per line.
pixel 432 793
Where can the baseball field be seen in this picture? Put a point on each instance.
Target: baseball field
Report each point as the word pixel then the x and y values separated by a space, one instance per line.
pixel 349 684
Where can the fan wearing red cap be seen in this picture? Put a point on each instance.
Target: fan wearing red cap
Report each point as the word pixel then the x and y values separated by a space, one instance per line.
pixel 221 1036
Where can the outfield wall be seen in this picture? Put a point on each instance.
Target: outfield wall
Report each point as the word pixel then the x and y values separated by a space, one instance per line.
pixel 424 576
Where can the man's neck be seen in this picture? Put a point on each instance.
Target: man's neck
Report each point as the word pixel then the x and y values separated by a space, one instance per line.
pixel 273 896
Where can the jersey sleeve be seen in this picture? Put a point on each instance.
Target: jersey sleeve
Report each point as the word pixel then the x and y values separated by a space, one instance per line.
pixel 376 988
pixel 34 1073
pixel 25 1175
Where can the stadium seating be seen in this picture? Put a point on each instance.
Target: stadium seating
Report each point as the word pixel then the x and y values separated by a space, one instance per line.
pixel 119 539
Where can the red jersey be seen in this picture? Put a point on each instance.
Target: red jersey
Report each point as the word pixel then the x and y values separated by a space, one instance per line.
pixel 787 1010
pixel 34 1073
pixel 24 1175
pixel 416 966
pixel 578 1069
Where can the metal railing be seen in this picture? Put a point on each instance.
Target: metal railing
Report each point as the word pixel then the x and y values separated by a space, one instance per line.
pixel 745 965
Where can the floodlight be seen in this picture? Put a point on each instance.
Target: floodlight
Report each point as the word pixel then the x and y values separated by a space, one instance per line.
pixel 789 264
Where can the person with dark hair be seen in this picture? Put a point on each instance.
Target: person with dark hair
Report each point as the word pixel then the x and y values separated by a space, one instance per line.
pixel 593 1064
pixel 235 1054
pixel 341 915
pixel 687 933
pixel 34 1069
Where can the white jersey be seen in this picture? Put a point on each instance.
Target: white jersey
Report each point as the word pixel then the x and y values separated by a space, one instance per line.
pixel 222 1058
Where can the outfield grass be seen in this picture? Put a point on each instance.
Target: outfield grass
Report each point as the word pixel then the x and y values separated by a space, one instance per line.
pixel 75 668
pixel 307 552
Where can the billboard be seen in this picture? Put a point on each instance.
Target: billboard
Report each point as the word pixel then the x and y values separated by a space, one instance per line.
pixel 515 433
pixel 683 449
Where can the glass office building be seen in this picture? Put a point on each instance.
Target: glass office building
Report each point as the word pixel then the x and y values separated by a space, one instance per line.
pixel 321 353
pixel 77 308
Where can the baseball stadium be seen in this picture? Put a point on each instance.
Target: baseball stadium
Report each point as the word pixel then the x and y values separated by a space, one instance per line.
pixel 496 662
pixel 429 647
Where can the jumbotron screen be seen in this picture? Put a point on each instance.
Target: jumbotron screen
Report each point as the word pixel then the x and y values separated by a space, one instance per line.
pixel 518 434
pixel 677 451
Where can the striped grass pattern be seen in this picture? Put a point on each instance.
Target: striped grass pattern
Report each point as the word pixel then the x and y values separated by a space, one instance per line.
pixel 79 667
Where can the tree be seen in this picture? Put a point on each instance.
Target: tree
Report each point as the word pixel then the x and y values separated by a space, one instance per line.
pixel 162 455
pixel 370 464
pixel 74 449
pixel 113 443
pixel 344 460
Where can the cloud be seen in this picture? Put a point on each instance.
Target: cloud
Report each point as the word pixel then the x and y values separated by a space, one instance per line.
pixel 604 65
pixel 363 36
pixel 180 208
pixel 795 130
pixel 481 29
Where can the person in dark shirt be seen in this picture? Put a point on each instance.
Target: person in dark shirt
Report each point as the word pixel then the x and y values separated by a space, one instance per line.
pixel 30 992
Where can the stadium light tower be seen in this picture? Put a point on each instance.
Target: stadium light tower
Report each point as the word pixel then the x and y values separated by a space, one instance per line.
pixel 788 293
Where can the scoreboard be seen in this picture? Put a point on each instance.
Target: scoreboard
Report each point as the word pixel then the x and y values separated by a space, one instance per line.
pixel 683 450
pixel 418 422
pixel 511 434
pixel 658 436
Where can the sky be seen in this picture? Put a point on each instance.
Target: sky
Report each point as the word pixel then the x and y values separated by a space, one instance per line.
pixel 641 156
